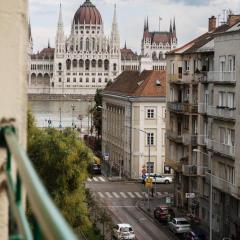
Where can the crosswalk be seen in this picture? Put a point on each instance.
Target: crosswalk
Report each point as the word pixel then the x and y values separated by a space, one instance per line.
pixel 130 195
pixel 97 179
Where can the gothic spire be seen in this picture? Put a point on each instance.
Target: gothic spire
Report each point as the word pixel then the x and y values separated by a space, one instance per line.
pixel 115 39
pixel 170 28
pixel 125 46
pixel 174 25
pixel 29 32
pixel 147 25
pixel 49 44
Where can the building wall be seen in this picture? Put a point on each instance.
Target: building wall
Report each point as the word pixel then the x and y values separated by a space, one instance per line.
pixel 13 43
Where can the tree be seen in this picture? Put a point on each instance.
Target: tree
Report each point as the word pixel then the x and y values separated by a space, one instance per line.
pixel 61 160
pixel 97 112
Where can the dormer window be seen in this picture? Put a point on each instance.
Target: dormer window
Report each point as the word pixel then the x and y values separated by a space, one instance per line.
pixel 158 83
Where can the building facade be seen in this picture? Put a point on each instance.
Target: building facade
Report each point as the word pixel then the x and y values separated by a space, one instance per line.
pixel 202 125
pixel 134 123
pixel 87 59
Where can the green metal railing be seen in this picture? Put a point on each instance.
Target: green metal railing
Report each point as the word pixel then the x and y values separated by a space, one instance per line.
pixel 49 223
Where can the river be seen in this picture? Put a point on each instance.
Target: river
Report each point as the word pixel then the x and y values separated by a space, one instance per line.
pixel 62 113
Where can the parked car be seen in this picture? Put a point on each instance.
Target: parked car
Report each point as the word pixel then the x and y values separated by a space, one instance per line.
pixel 123 231
pixel 158 178
pixel 195 235
pixel 95 169
pixel 163 213
pixel 179 225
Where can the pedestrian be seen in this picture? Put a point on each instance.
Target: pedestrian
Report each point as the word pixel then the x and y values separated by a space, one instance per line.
pixel 152 190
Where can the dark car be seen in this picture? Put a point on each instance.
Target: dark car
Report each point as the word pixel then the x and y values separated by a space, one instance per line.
pixel 95 169
pixel 196 234
pixel 163 213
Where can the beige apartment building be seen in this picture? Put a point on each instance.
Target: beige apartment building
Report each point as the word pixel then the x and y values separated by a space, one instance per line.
pixel 202 125
pixel 133 122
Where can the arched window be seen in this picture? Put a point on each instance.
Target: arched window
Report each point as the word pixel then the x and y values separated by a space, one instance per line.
pixel 46 79
pixel 39 79
pixel 106 65
pixel 33 79
pixel 114 67
pixel 87 64
pixel 68 64
pixel 87 44
pixel 81 63
pixel 93 44
pixel 81 44
pixel 161 56
pixel 93 63
pixel 74 63
pixel 100 63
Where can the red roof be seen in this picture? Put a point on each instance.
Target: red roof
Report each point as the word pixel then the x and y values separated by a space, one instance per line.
pixel 88 14
pixel 158 37
pixel 134 83
pixel 45 53
pixel 128 54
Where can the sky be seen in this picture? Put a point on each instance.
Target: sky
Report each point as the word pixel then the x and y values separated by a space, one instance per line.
pixel 191 17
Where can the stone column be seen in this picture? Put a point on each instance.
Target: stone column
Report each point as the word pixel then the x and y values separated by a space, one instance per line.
pixel 13 68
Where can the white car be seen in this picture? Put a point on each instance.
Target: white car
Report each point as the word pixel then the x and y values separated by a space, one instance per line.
pixel 158 178
pixel 179 225
pixel 123 231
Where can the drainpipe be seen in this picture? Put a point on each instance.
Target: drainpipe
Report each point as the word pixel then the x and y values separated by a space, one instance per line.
pixel 130 137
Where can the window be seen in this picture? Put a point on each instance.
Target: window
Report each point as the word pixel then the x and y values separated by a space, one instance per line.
pixel 87 44
pixel 106 80
pixel 150 139
pixel 87 64
pixel 74 79
pixel 230 137
pixel 114 67
pixel 81 43
pixel 87 79
pixel 222 135
pixel 186 66
pixel 80 79
pixel 59 80
pixel 99 80
pixel 93 80
pixel 68 79
pixel 222 99
pixel 151 113
pixel 231 63
pixel 59 66
pixel 230 174
pixel 150 167
pixel 231 100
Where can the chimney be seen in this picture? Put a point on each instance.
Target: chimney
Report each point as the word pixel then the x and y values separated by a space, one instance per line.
pixel 233 19
pixel 212 24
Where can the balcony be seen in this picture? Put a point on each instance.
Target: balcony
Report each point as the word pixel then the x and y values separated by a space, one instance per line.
pixel 201 140
pixel 181 107
pixel 174 136
pixel 221 112
pixel 202 108
pixel 224 185
pixel 222 77
pixel 189 170
pixel 175 165
pixel 189 139
pixel 222 148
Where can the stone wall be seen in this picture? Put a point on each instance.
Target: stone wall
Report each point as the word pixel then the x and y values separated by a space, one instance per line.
pixel 13 66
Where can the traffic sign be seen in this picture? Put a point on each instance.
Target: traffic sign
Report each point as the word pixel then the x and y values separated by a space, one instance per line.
pixel 106 156
pixel 148 182
pixel 168 200
pixel 190 195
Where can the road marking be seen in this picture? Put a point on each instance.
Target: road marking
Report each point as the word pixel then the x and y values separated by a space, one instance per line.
pixel 109 194
pixel 123 194
pixel 115 195
pixel 145 194
pixel 131 194
pixel 159 194
pixel 95 179
pixel 101 195
pixel 89 179
pixel 138 194
pixel 102 179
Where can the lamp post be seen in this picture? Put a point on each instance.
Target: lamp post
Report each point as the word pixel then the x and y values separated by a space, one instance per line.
pixel 60 117
pixel 211 192
pixel 73 109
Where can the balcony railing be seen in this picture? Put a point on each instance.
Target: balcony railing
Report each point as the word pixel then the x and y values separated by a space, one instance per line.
pixel 222 148
pixel 221 112
pixel 182 107
pixel 174 136
pixel 222 77
pixel 49 222
pixel 189 170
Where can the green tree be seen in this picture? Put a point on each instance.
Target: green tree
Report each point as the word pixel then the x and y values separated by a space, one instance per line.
pixel 97 112
pixel 61 160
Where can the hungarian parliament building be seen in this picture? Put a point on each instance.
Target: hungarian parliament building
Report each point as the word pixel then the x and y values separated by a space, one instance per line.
pixel 87 59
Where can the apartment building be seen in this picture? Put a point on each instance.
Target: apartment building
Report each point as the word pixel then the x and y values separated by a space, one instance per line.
pixel 202 112
pixel 133 123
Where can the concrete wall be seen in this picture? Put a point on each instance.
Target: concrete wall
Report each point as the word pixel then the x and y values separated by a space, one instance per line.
pixel 13 69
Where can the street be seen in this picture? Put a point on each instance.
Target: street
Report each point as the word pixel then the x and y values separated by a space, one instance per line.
pixel 122 200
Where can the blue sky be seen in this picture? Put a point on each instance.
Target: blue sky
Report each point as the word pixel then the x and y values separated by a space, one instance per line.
pixel 191 17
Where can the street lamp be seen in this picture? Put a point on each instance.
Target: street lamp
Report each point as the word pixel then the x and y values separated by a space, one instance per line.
pixel 211 192
pixel 73 108
pixel 60 119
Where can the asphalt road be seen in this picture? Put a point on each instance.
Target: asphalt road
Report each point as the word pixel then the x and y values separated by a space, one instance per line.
pixel 122 198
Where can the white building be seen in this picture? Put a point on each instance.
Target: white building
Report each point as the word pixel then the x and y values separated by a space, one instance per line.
pixel 134 118
pixel 88 59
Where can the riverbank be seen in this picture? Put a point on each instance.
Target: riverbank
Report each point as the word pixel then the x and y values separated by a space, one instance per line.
pixel 60 97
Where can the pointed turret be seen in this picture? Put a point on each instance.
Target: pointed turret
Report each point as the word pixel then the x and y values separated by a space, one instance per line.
pixel 115 38
pixel 60 38
pixel 174 26
pixel 125 46
pixel 170 28
pixel 147 27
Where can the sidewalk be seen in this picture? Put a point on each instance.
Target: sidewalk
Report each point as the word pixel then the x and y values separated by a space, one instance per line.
pixel 155 202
